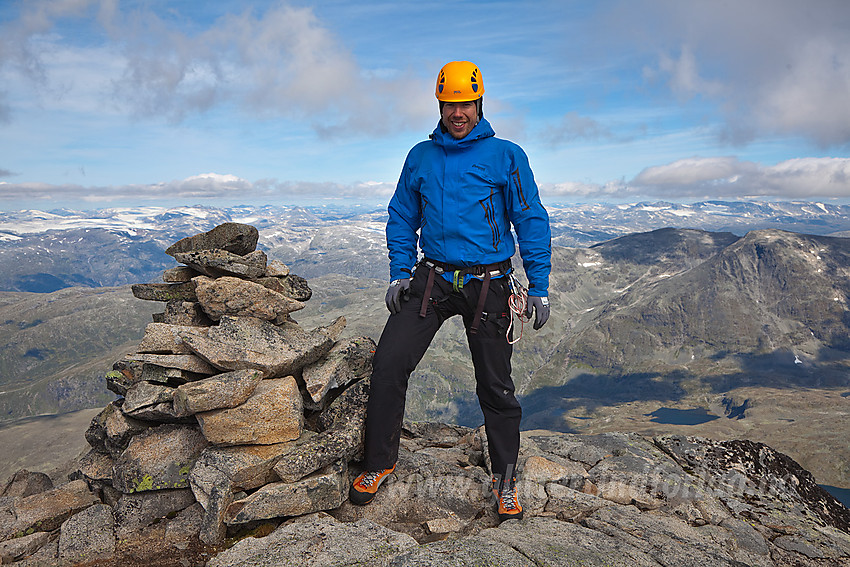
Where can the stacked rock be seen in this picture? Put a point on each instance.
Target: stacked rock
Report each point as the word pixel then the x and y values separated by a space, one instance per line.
pixel 228 401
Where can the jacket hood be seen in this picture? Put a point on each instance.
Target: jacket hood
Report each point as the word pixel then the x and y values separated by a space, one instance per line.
pixel 481 130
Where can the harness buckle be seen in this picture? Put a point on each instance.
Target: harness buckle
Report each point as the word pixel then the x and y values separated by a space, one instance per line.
pixel 438 269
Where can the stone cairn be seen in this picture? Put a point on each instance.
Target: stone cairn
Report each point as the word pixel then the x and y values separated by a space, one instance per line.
pixel 225 394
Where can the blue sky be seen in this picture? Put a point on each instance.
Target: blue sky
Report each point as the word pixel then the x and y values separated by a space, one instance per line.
pixel 151 102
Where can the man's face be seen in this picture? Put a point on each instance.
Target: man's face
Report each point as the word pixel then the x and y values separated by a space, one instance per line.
pixel 460 118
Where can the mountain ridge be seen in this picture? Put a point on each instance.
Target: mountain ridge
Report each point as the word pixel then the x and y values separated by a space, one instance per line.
pixel 591 287
pixel 58 246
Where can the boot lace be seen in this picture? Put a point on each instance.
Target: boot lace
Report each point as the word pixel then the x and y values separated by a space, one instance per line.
pixel 369 478
pixel 509 499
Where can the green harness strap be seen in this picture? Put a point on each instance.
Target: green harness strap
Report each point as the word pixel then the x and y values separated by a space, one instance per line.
pixel 457 281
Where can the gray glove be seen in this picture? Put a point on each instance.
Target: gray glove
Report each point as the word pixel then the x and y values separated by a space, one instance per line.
pixel 540 307
pixel 395 293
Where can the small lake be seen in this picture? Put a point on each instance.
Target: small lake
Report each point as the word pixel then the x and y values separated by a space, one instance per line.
pixel 841 494
pixel 671 416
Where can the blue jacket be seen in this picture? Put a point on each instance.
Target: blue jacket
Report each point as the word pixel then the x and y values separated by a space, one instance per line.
pixel 461 197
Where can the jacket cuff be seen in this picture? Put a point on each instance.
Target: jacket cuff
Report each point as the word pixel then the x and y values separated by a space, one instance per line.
pixel 400 274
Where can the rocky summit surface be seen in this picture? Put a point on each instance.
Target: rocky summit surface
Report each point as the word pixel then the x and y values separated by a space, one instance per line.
pixel 236 434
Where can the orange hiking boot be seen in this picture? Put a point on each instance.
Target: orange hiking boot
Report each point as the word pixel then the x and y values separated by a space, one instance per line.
pixel 494 486
pixel 509 506
pixel 366 485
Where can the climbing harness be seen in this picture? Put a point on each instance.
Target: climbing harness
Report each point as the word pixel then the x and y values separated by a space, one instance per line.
pixel 484 273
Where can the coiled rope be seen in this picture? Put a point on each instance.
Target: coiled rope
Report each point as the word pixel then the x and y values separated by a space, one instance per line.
pixel 517 303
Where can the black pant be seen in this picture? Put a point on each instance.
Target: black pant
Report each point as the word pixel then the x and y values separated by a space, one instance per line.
pixel 403 343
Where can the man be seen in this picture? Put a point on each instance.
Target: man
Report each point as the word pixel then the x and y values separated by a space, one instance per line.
pixel 457 197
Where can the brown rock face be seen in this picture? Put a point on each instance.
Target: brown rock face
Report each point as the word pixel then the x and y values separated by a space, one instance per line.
pixel 226 390
pixel 234 237
pixel 217 263
pixel 179 312
pixel 187 362
pixel 164 291
pixel 47 510
pixel 346 362
pixel 277 269
pixel 291 286
pixel 239 467
pixel 161 338
pixel 159 458
pixel 111 430
pixel 19 547
pixel 325 490
pixel 247 342
pixel 180 274
pixel 273 414
pixel 341 439
pixel 241 298
pixel 26 483
pixel 151 402
pixel 88 535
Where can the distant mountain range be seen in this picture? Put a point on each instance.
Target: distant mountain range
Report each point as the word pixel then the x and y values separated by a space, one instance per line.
pixel 45 251
pixel 738 309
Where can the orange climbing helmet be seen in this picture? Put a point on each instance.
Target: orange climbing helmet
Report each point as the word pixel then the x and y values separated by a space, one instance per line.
pixel 459 81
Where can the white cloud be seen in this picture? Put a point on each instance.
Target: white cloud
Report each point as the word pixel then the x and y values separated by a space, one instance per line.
pixel 280 62
pixel 772 66
pixel 684 75
pixel 692 178
pixel 361 190
pixel 207 186
pixel 813 95
pixel 731 178
pixel 577 189
pixel 693 171
pixel 721 178
pixel 573 127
